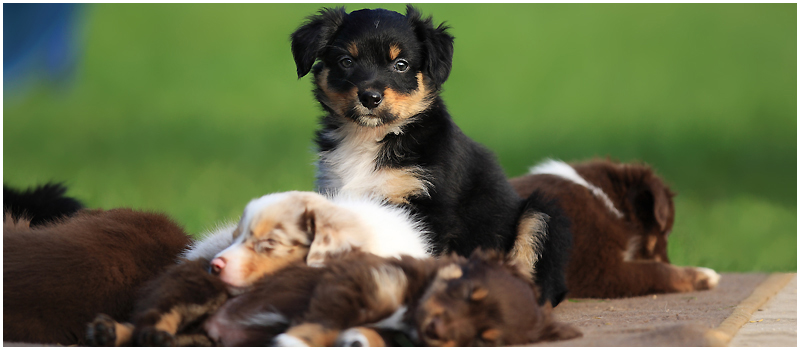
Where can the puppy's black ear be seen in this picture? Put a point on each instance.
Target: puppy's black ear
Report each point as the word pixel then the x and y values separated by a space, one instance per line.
pixel 310 39
pixel 437 43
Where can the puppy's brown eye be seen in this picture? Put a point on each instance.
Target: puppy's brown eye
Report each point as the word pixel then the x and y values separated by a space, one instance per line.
pixel 401 65
pixel 346 62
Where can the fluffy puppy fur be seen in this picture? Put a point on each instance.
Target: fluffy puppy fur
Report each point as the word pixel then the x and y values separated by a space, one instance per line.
pixel 621 217
pixel 169 312
pixel 278 229
pixel 386 132
pixel 454 301
pixel 57 277
pixel 483 300
pixel 275 231
pixel 40 205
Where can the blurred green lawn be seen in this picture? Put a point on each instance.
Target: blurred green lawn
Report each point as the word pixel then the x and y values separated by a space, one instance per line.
pixel 195 109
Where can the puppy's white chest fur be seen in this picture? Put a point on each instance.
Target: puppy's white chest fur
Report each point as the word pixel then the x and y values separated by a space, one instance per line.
pixel 351 167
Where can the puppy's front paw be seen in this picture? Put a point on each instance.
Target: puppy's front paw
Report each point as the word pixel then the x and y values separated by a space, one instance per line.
pixel 359 336
pixel 151 336
pixel 705 278
pixel 102 331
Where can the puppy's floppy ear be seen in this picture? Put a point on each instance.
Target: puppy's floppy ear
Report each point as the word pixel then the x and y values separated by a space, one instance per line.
pixel 308 223
pixel 652 202
pixel 310 39
pixel 437 43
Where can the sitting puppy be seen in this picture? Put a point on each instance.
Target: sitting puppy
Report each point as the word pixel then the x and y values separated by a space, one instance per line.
pixel 275 231
pixel 621 217
pixel 57 277
pixel 482 300
pixel 387 132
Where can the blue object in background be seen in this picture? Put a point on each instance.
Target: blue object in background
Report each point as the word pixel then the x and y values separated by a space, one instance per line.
pixel 39 42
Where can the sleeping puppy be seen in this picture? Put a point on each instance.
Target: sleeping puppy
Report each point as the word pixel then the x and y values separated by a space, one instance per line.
pixel 621 217
pixel 58 276
pixel 281 228
pixel 386 132
pixel 483 301
pixel 275 231
pixel 454 301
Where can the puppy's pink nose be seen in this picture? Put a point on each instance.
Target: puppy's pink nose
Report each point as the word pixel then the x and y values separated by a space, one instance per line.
pixel 217 265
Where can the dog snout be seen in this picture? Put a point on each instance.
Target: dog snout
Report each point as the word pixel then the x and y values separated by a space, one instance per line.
pixel 216 265
pixel 370 98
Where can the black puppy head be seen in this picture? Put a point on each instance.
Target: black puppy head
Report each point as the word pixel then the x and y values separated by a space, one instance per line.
pixel 484 301
pixel 376 67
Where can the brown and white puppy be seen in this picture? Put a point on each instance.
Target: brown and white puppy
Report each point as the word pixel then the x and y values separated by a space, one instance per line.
pixel 484 300
pixel 621 217
pixel 58 276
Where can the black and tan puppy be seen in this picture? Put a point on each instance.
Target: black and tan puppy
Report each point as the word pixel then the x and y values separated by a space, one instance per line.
pixel 621 217
pixel 387 133
pixel 57 277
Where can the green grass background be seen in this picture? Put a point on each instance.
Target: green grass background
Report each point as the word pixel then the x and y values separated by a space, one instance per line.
pixel 195 109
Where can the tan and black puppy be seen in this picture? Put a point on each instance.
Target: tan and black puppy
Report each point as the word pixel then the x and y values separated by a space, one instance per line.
pixel 621 217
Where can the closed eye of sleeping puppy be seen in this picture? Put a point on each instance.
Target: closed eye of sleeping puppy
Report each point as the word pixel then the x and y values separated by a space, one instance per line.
pixel 621 217
pixel 276 230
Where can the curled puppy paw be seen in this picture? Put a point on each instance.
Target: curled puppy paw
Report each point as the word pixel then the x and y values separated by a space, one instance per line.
pixel 359 336
pixel 102 331
pixel 705 278
pixel 151 336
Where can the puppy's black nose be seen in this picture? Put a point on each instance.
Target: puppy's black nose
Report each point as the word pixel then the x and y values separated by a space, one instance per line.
pixel 370 99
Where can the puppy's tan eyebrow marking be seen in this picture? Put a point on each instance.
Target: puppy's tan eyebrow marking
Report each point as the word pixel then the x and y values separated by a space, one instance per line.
pixel 394 51
pixel 353 49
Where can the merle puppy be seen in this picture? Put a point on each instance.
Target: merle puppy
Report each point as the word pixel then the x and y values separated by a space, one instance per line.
pixel 387 133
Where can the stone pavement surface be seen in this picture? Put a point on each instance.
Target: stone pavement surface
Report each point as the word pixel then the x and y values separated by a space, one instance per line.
pixel 655 320
pixel 774 324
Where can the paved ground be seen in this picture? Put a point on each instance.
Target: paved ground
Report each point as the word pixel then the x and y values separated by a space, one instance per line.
pixel 660 320
pixel 774 324
pixel 683 319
